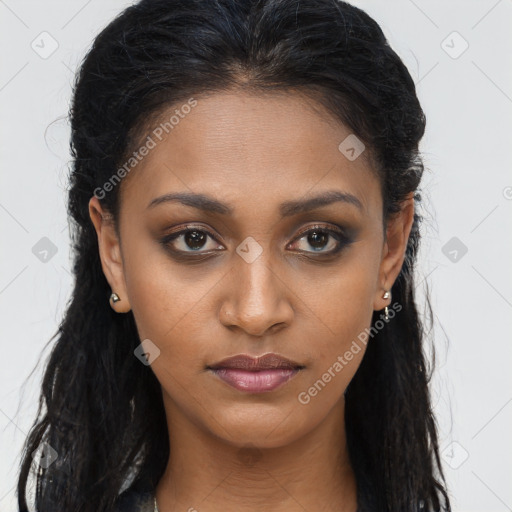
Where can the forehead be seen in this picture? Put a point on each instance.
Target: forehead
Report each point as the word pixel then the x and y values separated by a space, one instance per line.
pixel 248 149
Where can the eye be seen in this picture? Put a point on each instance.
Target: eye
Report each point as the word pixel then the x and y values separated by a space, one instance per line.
pixel 190 240
pixel 194 241
pixel 322 240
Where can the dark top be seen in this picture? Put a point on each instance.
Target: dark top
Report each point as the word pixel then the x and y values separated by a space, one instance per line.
pixel 135 501
pixel 139 501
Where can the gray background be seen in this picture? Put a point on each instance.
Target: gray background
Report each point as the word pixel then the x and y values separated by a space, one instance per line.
pixel 467 190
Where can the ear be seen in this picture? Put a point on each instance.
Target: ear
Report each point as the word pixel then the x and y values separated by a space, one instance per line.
pixel 397 234
pixel 110 254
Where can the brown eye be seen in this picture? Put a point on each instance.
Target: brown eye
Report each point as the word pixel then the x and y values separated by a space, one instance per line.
pixel 321 240
pixel 190 240
pixel 194 239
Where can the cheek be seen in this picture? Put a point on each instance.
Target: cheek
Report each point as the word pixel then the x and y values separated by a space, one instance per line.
pixel 338 353
pixel 171 307
pixel 343 302
pixel 343 312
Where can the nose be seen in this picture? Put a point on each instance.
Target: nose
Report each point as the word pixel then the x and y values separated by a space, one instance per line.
pixel 257 300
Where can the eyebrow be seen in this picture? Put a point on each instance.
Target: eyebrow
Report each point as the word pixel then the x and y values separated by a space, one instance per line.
pixel 286 209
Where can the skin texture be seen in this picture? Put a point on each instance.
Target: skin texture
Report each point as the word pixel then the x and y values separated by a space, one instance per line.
pixel 232 450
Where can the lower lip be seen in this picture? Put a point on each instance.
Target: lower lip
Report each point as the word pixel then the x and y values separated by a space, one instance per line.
pixel 255 382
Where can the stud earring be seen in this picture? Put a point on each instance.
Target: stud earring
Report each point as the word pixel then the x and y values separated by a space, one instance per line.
pixel 386 295
pixel 114 298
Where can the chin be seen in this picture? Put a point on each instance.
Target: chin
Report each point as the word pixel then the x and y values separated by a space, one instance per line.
pixel 255 427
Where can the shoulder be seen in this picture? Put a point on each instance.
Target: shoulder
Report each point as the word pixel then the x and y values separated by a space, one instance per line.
pixel 134 501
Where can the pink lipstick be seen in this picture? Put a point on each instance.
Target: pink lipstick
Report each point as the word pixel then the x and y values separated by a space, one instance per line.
pixel 256 374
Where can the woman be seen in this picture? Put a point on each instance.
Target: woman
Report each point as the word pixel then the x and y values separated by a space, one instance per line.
pixel 243 332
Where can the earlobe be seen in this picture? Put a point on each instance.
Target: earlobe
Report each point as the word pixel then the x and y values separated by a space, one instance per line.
pixel 110 255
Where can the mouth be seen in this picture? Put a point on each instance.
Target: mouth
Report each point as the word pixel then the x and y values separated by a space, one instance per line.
pixel 256 374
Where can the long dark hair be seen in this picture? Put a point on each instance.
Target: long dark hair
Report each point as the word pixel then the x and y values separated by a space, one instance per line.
pixel 100 409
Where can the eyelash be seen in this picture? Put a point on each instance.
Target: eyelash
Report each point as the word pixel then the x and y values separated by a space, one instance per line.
pixel 337 233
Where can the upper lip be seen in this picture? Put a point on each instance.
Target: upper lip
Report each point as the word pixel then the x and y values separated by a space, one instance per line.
pixel 264 362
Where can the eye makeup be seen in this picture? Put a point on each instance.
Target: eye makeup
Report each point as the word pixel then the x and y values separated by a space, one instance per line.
pixel 189 242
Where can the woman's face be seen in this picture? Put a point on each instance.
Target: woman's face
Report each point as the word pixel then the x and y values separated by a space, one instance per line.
pixel 250 276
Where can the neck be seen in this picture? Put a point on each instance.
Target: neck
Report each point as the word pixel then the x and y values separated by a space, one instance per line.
pixel 206 473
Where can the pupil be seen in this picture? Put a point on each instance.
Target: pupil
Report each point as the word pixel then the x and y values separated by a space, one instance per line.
pixel 194 239
pixel 317 239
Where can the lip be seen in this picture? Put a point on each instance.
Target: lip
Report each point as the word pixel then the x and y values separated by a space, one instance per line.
pixel 256 374
pixel 255 381
pixel 270 361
